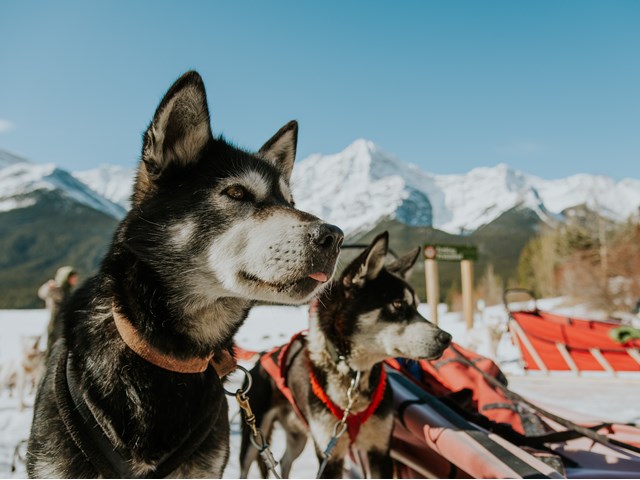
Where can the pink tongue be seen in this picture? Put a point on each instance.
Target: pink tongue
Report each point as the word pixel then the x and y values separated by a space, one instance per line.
pixel 319 276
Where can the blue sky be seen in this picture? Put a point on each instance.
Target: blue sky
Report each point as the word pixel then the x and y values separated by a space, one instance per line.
pixel 548 87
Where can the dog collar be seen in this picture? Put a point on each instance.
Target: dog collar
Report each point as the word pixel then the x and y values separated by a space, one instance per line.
pixel 132 338
pixel 354 420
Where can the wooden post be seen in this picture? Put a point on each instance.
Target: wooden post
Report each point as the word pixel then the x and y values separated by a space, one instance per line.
pixel 433 288
pixel 466 269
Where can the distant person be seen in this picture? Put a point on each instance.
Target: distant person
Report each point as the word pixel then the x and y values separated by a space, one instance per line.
pixel 54 292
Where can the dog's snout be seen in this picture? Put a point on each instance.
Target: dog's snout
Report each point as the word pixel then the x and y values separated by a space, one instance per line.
pixel 444 338
pixel 327 237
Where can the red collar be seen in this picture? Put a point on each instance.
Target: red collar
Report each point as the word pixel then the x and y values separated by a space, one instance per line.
pixel 355 420
pixel 139 345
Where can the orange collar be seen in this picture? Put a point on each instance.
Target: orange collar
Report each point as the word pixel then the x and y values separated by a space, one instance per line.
pixel 140 346
pixel 356 420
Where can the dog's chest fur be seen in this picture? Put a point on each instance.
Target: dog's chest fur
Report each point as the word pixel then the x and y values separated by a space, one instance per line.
pixel 143 409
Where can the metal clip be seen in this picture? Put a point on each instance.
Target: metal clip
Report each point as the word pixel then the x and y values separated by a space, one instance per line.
pixel 249 417
pixel 257 439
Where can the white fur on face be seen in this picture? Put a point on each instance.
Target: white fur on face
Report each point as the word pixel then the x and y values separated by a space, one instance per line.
pixel 251 181
pixel 181 233
pixel 274 251
pixel 377 340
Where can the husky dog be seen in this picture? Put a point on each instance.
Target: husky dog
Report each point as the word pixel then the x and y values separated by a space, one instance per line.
pixel 366 316
pixel 211 229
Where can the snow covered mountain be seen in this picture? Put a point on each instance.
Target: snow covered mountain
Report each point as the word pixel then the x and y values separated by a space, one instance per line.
pixel 23 184
pixel 361 185
pixel 111 181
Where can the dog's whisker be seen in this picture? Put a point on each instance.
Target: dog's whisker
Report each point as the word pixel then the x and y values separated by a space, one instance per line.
pixel 150 222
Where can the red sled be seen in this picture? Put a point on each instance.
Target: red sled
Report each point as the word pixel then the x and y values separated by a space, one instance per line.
pixel 456 418
pixel 550 342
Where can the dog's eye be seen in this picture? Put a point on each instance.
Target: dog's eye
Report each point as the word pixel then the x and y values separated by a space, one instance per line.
pixel 397 304
pixel 236 192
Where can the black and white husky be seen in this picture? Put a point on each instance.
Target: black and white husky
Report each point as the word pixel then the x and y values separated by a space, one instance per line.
pixel 366 316
pixel 211 229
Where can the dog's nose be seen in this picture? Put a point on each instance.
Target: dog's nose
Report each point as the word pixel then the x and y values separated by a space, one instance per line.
pixel 327 237
pixel 444 338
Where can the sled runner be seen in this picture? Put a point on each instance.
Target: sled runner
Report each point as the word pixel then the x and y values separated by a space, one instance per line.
pixel 550 342
pixel 456 418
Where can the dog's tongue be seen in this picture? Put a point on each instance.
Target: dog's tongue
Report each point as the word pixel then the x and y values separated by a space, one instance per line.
pixel 319 276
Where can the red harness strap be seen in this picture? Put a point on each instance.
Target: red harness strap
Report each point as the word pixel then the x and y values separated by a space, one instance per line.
pixel 277 369
pixel 356 420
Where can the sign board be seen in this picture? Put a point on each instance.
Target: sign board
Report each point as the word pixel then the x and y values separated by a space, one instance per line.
pixel 450 253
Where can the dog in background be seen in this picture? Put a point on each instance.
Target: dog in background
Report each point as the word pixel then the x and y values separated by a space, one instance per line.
pixel 367 315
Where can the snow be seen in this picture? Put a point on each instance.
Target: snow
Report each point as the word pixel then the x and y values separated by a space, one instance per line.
pixel 612 399
pixel 344 188
pixel 9 204
pixel 111 181
pixel 362 185
pixel 21 181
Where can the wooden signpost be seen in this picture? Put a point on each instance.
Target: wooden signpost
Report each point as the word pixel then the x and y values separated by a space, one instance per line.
pixel 466 255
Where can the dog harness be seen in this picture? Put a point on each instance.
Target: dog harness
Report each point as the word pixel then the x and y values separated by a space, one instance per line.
pixel 277 362
pixel 90 437
pixel 355 420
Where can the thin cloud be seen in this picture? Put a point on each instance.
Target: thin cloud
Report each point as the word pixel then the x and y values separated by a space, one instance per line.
pixel 5 125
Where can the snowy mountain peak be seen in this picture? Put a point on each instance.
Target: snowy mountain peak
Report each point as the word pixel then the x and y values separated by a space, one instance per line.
pixel 362 184
pixel 361 146
pixel 359 186
pixel 21 181
pixel 111 181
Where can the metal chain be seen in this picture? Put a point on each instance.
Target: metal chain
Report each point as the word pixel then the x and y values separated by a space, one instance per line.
pixel 340 426
pixel 257 438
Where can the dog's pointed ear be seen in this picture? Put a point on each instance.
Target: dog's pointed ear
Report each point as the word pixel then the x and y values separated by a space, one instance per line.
pixel 280 150
pixel 179 131
pixel 403 265
pixel 369 263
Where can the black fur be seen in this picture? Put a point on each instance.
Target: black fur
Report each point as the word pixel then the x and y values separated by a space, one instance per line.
pixel 158 273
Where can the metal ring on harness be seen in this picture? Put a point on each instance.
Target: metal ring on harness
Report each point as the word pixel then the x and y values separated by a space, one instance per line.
pixel 241 389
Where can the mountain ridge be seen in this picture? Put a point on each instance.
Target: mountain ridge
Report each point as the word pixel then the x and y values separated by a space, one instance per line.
pixel 338 187
pixel 361 185
pixel 21 181
pixel 50 217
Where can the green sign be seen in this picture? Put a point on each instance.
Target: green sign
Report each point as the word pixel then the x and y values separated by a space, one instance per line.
pixel 450 253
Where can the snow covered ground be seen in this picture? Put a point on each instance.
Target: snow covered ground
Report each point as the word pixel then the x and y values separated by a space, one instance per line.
pixel 268 326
